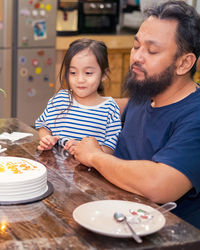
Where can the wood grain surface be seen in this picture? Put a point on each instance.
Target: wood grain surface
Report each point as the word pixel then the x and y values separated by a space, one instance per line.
pixel 48 224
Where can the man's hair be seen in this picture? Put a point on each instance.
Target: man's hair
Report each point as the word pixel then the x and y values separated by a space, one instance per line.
pixel 188 29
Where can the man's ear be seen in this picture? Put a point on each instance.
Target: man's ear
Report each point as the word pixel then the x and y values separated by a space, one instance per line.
pixel 185 63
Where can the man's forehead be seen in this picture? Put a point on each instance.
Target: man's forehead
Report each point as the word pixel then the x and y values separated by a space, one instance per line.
pixel 157 30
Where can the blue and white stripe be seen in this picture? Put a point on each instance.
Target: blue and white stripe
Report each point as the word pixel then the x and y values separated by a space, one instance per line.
pixel 101 121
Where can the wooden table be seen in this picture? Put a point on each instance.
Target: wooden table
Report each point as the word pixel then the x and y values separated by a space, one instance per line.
pixel 48 224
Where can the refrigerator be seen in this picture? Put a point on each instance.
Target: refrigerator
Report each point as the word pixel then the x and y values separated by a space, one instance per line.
pixel 32 51
pixel 5 57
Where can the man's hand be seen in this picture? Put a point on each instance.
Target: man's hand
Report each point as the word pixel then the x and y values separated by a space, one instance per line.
pixel 85 149
pixel 47 142
pixel 71 145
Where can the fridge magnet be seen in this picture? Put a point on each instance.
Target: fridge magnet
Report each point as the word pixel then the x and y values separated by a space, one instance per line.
pixel 31 92
pixel 25 12
pixel 39 29
pixel 22 60
pixel 23 72
pixel 3 91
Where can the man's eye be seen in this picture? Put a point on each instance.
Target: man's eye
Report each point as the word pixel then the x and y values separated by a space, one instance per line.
pixel 136 47
pixel 152 52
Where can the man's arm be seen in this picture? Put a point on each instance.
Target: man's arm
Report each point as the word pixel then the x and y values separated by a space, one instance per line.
pixel 156 181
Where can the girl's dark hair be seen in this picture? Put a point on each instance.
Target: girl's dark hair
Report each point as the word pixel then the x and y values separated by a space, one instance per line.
pixel 188 29
pixel 98 48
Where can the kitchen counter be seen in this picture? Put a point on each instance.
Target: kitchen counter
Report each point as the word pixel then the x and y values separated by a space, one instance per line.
pixel 122 41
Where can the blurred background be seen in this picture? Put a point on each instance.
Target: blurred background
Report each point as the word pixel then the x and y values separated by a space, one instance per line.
pixel 34 35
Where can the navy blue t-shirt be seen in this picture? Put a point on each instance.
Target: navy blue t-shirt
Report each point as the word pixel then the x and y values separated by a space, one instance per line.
pixel 169 135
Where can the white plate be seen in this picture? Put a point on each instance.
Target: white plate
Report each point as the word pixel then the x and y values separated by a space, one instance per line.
pixel 97 216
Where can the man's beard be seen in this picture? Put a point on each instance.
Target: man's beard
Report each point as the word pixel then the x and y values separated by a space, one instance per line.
pixel 141 90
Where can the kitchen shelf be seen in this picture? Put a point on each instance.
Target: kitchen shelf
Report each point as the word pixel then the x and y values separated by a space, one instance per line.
pixel 124 41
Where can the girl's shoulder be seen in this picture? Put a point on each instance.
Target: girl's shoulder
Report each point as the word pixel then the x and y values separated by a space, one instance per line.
pixel 110 101
pixel 64 92
pixel 62 96
pixel 111 105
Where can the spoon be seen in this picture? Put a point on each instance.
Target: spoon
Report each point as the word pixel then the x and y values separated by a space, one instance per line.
pixel 166 207
pixel 119 217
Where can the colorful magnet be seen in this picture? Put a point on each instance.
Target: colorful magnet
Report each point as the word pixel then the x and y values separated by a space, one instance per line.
pixel 37 5
pixel 25 12
pixel 31 92
pixel 49 61
pixel 48 7
pixel 40 30
pixel 46 78
pixel 40 52
pixel 35 62
pixel 35 12
pixel 22 60
pixel 42 13
pixel 25 39
pixel 23 72
pixel 41 6
pixel 30 78
pixel 38 70
pixel 51 85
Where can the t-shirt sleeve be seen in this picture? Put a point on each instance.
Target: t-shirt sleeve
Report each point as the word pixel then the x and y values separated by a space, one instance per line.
pixel 182 151
pixel 113 127
pixel 42 119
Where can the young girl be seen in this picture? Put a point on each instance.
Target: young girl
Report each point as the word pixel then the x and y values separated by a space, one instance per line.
pixel 78 110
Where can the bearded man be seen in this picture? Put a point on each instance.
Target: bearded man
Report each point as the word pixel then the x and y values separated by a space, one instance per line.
pixel 158 151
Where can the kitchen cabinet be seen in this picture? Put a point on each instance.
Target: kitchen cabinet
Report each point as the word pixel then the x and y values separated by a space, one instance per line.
pixel 119 47
pixel 119 64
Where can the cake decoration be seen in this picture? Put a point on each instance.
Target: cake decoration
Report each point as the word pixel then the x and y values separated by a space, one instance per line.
pixel 21 179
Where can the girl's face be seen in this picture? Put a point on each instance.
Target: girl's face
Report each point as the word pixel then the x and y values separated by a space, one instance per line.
pixel 84 76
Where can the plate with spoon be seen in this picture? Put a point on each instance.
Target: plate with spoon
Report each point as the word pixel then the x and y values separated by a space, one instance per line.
pixel 115 217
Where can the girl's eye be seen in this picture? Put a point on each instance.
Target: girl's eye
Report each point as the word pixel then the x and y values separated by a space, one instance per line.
pixel 88 73
pixel 72 72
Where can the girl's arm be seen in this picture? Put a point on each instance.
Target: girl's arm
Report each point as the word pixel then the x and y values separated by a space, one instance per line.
pixel 107 150
pixel 47 141
pixel 43 132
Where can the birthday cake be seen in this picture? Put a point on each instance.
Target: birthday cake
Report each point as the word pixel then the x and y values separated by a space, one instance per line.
pixel 21 179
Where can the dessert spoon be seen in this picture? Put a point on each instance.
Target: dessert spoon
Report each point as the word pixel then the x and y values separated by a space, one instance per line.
pixel 119 217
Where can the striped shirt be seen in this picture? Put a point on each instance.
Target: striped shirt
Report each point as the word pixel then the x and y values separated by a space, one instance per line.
pixel 101 121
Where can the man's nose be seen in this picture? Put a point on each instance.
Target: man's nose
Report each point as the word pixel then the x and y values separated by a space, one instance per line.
pixel 137 55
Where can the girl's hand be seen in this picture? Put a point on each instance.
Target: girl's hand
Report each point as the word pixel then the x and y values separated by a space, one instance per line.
pixel 71 145
pixel 47 142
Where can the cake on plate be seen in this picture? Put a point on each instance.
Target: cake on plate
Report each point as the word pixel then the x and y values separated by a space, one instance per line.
pixel 21 179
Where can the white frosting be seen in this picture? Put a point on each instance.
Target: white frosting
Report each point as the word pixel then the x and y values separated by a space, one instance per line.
pixel 21 179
